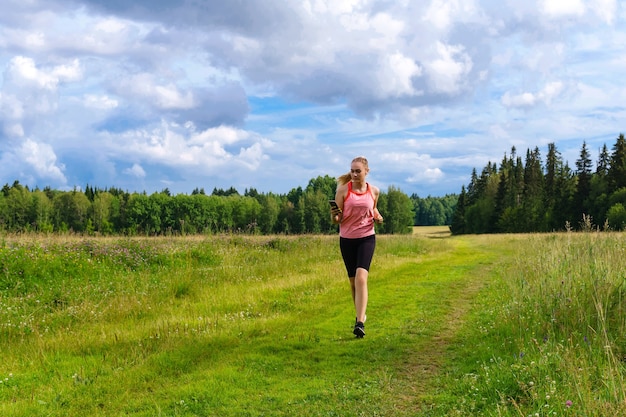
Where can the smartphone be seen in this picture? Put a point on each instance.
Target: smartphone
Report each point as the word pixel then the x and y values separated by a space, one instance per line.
pixel 333 204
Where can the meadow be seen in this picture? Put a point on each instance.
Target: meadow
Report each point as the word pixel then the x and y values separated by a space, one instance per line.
pixel 237 325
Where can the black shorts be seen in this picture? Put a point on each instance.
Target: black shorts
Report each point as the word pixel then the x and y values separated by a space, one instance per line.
pixel 357 253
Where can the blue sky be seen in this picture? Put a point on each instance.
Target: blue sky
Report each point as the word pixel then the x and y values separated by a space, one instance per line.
pixel 145 95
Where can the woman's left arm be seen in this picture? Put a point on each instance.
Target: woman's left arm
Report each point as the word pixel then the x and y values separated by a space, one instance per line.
pixel 377 216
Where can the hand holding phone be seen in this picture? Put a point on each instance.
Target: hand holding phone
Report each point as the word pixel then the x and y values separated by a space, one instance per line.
pixel 334 208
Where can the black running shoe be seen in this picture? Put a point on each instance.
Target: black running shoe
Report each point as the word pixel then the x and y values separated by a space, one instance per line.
pixel 359 330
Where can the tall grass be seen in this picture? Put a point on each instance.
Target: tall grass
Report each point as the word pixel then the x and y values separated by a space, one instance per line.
pixel 550 338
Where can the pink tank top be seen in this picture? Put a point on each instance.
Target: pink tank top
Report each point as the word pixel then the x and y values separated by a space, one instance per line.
pixel 358 214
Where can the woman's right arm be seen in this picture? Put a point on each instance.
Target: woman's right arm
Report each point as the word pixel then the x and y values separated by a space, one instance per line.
pixel 340 196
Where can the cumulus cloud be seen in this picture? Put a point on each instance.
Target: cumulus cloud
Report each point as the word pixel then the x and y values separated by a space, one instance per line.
pixel 29 91
pixel 206 151
pixel 136 171
pixel 11 113
pixel 545 96
pixel 443 14
pixel 433 174
pixel 449 69
pixel 146 88
pixel 43 160
pixel 415 168
pixel 563 8
pixel 22 72
pixel 578 9
pixel 99 101
pixel 396 76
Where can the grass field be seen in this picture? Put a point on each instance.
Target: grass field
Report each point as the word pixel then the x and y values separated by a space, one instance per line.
pixel 505 325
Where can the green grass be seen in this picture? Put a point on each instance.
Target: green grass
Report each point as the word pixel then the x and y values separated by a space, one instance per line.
pixel 509 325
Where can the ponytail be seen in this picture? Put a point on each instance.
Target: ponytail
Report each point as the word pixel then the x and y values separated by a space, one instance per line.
pixel 344 179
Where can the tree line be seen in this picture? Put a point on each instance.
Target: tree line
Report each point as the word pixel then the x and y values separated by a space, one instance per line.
pixel 434 211
pixel 112 211
pixel 533 196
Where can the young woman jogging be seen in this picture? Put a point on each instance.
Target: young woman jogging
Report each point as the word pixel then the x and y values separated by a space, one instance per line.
pixel 356 213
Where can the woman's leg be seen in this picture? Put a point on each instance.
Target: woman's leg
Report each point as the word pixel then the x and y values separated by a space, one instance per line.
pixel 357 255
pixel 353 288
pixel 359 291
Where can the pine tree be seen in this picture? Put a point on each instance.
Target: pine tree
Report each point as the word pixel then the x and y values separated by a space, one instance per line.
pixel 604 162
pixel 472 192
pixel 598 192
pixel 617 170
pixel 501 203
pixel 554 164
pixel 533 200
pixel 580 204
pixel 565 189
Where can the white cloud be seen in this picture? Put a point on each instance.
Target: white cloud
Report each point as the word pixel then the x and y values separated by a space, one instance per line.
pixel 10 107
pixel 36 40
pixel 395 76
pixel 205 152
pixel 563 8
pixel 221 135
pixel 544 59
pixel 135 171
pixel 30 93
pixel 22 71
pixel 551 91
pixel 146 88
pixel 448 69
pixel 387 30
pixel 433 174
pixel 43 160
pixel 111 26
pixel 425 175
pixel 417 168
pixel 101 102
pixel 252 156
pixel 11 113
pixel 334 7
pixel 605 9
pixel 443 14
pixel 13 130
pixel 519 100
pixel 67 73
pixel 106 36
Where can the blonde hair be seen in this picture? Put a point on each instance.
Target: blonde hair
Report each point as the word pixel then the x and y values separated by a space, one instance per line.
pixel 346 178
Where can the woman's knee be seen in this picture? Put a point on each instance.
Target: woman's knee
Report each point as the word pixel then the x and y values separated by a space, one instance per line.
pixel 361 274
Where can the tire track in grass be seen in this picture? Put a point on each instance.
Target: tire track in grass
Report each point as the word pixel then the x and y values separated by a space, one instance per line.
pixel 445 290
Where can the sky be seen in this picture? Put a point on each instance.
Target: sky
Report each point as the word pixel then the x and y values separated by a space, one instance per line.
pixel 147 95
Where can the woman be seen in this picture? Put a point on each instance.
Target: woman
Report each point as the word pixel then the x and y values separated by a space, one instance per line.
pixel 356 213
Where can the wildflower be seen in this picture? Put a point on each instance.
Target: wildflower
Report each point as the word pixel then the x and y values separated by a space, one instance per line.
pixel 568 403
